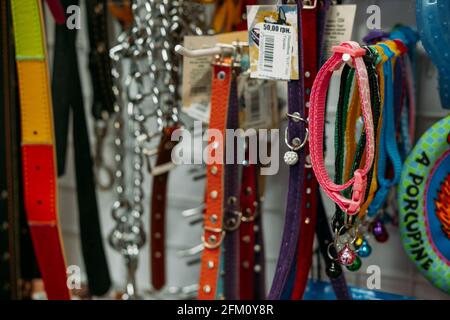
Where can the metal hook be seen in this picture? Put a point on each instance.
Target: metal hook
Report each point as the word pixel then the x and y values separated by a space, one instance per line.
pixel 218 49
pixel 191 251
pixel 101 129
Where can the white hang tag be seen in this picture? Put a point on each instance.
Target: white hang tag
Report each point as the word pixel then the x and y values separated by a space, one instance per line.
pixel 275 52
pixel 273 42
pixel 338 26
pixel 261 104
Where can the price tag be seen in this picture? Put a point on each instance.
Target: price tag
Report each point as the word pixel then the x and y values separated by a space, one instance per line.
pixel 338 26
pixel 275 53
pixel 260 104
pixel 273 42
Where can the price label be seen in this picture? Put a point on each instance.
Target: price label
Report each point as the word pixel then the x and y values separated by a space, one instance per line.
pixel 273 42
pixel 275 53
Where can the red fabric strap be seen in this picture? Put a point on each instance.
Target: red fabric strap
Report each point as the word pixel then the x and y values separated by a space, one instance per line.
pixel 158 212
pixel 310 188
pixel 38 164
pixel 248 198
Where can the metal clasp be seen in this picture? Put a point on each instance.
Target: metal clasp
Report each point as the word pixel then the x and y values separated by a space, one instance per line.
pixel 101 130
pixel 216 243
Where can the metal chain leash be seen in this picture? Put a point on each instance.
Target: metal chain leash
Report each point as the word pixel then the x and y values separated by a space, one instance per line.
pixel 128 236
pixel 171 21
pixel 144 60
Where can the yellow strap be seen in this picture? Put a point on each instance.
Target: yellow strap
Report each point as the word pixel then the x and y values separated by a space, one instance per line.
pixel 353 113
pixel 393 46
pixel 374 184
pixel 227 15
pixel 35 104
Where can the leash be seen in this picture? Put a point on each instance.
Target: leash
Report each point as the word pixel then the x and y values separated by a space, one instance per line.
pixel 68 100
pixel 388 143
pixel 349 202
pixel 158 209
pixel 248 249
pixel 38 147
pixel 232 212
pixel 349 52
pixel 101 79
pixel 168 27
pixel 295 138
pixel 214 233
pixel 311 56
pixel 348 160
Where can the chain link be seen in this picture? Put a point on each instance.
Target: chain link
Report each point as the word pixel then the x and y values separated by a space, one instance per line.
pixel 144 54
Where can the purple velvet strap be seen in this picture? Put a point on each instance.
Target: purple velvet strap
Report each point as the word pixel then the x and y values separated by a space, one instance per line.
pixel 340 288
pixel 292 218
pixel 231 203
pixel 375 36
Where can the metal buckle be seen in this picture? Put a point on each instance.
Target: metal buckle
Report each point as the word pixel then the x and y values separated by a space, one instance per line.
pixel 232 224
pixel 218 243
pixel 308 6
pixel 247 219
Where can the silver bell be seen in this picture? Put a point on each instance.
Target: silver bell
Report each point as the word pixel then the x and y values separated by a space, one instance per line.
pixel 291 158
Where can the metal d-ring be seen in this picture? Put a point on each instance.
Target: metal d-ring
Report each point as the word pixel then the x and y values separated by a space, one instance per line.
pixel 338 236
pixel 228 226
pixel 301 145
pixel 206 242
pixel 103 184
pixel 329 253
pixel 252 218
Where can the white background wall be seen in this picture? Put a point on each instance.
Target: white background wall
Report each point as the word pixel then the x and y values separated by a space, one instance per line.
pixel 398 273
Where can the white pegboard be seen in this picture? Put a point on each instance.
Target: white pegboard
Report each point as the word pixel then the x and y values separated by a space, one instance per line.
pixel 398 273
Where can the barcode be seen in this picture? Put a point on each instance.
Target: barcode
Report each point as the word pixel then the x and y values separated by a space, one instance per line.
pixel 268 52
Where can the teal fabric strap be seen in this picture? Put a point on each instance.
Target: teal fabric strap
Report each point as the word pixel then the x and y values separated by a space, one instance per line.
pixel 388 148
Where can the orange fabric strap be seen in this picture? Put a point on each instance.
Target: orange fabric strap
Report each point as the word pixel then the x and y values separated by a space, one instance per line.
pixel 213 219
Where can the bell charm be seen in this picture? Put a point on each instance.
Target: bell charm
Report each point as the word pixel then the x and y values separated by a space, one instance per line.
pixel 379 231
pixel 291 158
pixel 346 256
pixel 334 270
pixel 356 265
pixel 359 242
pixel 364 250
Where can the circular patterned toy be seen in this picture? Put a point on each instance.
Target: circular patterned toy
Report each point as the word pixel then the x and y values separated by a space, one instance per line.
pixel 424 204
